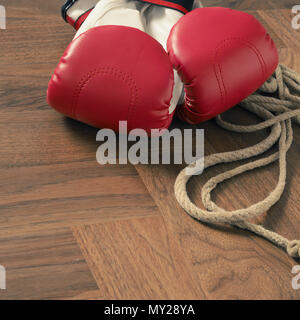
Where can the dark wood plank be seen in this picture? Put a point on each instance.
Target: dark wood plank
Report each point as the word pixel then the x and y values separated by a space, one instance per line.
pixel 47 197
pixel 35 7
pixel 47 265
pixel 87 295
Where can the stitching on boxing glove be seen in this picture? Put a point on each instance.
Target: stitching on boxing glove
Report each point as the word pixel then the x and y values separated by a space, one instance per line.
pixel 117 74
pixel 218 50
pixel 250 46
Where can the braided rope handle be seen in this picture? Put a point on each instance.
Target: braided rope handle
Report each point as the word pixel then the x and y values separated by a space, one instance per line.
pixel 277 114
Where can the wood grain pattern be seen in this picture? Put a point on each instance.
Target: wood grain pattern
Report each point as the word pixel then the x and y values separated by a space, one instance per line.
pixel 131 259
pixel 282 18
pixel 87 295
pixel 224 262
pixel 72 229
pixel 44 265
pixel 51 196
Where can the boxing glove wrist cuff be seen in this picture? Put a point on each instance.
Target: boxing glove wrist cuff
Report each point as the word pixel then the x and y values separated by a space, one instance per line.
pixel 183 6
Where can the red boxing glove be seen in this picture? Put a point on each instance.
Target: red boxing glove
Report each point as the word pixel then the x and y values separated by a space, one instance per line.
pixel 222 56
pixel 113 71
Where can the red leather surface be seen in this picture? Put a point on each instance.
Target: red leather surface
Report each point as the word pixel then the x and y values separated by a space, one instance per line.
pixel 222 56
pixel 114 73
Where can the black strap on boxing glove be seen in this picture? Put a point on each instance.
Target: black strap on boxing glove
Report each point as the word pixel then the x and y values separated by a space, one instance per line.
pixel 66 7
pixel 77 22
pixel 183 6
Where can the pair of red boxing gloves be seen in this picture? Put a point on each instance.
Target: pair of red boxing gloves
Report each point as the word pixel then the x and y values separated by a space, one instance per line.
pixel 140 61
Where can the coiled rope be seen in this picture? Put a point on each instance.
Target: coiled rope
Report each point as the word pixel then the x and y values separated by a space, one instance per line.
pixel 278 114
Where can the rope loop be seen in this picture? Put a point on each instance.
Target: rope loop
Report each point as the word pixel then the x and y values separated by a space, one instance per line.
pixel 278 107
pixel 293 248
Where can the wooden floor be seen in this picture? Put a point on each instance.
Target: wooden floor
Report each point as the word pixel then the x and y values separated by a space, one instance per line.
pixel 71 229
